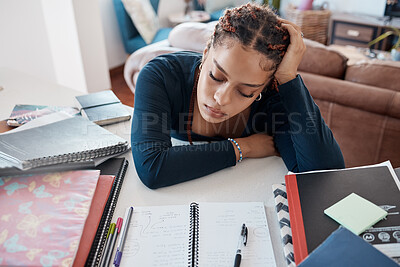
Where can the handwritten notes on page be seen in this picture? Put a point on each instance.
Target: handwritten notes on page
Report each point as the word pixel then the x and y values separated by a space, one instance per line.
pixel 157 236
pixel 220 225
pixel 163 236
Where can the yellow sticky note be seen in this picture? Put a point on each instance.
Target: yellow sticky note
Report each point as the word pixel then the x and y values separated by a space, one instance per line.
pixel 356 213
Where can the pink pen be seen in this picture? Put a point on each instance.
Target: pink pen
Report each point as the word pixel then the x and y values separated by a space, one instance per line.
pixel 118 254
pixel 119 224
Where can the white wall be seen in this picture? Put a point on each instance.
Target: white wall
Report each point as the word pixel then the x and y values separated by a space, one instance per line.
pixel 64 43
pixel 24 44
pixel 116 55
pixel 91 40
pixel 59 41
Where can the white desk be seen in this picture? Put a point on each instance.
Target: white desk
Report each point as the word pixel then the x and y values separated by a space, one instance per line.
pixel 250 180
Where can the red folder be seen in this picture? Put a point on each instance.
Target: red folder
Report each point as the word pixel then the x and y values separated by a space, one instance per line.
pixel 296 219
pixel 103 189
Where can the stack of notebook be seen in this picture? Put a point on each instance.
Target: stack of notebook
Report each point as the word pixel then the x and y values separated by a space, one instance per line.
pixel 74 142
pixel 305 226
pixel 59 185
pixel 116 167
pixel 43 216
pixel 58 219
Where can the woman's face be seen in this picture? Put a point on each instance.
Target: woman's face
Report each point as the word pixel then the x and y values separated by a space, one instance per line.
pixel 231 79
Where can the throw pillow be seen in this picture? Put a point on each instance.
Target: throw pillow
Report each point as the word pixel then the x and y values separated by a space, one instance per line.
pixel 333 63
pixel 385 74
pixel 143 17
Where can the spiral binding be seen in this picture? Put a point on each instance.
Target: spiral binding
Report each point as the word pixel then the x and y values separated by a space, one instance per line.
pixel 193 260
pixel 98 245
pixel 75 156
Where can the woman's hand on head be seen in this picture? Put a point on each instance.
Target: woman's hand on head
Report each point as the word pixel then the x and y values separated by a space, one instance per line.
pixel 256 146
pixel 287 70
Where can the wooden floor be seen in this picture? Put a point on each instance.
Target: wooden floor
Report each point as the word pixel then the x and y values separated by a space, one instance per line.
pixel 119 86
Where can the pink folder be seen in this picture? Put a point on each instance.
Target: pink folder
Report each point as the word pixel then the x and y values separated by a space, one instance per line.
pixel 42 217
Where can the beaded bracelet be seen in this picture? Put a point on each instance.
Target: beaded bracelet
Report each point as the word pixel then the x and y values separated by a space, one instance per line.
pixel 238 147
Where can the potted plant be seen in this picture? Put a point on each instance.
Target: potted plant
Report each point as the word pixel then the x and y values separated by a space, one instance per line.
pixel 395 50
pixel 273 3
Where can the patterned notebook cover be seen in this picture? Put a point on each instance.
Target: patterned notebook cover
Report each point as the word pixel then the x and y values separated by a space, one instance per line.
pixel 22 114
pixel 282 211
pixel 42 217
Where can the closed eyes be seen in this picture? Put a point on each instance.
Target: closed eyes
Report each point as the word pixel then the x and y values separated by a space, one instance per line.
pixel 217 80
pixel 213 77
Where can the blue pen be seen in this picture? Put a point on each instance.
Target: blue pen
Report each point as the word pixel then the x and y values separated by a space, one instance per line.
pixel 118 254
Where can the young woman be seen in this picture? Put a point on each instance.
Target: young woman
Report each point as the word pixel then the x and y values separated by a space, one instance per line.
pixel 243 96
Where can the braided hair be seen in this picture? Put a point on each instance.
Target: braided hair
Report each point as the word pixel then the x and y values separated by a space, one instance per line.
pixel 256 27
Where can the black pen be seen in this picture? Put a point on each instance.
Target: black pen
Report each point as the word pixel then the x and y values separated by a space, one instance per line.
pixel 242 242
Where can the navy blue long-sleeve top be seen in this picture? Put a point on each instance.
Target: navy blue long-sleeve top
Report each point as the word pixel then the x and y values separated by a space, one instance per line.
pixel 162 99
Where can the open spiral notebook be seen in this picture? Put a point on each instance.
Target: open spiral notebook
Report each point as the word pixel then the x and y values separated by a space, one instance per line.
pixel 199 234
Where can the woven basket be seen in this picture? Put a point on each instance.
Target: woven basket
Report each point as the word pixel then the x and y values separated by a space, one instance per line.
pixel 313 23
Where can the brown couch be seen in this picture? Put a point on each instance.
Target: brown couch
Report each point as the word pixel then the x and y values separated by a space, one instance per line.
pixel 360 102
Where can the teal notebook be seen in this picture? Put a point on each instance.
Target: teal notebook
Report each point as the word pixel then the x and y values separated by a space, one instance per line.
pixel 102 107
pixel 356 213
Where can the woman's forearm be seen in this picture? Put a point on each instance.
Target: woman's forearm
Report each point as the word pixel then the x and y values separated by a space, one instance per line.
pixel 313 143
pixel 159 165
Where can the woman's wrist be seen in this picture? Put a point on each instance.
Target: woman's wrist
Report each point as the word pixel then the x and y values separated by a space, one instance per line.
pixel 238 147
pixel 285 78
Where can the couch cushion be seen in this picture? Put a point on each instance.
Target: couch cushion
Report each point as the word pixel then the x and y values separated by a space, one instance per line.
pixel 364 137
pixel 320 59
pixel 365 120
pixel 379 73
pixel 191 35
pixel 139 58
pixel 137 42
pixel 144 17
pixel 162 34
pixel 364 97
pixel 217 14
